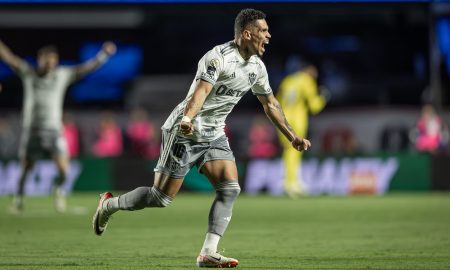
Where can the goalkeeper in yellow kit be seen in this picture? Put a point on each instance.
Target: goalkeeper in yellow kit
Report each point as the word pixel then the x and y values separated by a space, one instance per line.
pixel 299 96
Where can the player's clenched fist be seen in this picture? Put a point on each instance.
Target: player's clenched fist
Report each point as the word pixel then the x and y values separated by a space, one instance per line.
pixel 301 144
pixel 186 126
pixel 109 48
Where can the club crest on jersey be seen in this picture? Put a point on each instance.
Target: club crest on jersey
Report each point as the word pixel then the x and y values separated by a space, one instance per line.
pixel 251 78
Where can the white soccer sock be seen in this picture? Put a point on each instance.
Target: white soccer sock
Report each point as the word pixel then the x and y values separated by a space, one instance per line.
pixel 18 200
pixel 60 192
pixel 111 205
pixel 210 244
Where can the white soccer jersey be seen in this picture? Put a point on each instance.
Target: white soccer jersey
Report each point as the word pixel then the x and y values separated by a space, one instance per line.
pixel 44 96
pixel 231 77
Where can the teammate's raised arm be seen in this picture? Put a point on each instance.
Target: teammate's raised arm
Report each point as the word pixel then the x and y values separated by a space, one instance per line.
pixel 108 49
pixel 274 112
pixel 194 105
pixel 9 57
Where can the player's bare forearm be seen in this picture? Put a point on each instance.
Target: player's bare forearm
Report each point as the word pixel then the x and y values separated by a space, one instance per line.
pixel 197 100
pixel 9 57
pixel 194 105
pixel 108 49
pixel 275 113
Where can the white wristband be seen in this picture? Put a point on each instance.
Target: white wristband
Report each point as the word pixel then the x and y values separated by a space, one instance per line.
pixel 186 119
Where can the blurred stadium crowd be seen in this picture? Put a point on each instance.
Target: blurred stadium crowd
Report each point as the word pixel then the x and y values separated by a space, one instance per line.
pixel 111 134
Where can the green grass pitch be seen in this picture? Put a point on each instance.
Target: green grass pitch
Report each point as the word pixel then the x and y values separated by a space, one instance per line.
pixel 398 231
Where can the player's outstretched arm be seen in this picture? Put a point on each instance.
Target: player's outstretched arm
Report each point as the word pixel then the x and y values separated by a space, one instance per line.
pixel 274 112
pixel 108 49
pixel 194 105
pixel 7 56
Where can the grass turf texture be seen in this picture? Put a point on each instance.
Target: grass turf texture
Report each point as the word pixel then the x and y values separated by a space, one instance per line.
pixel 400 231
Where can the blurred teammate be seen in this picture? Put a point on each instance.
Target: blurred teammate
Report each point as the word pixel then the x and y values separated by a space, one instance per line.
pixel 194 133
pixel 298 96
pixel 44 89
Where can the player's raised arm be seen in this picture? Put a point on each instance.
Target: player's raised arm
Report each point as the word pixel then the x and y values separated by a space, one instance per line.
pixel 273 110
pixel 194 105
pixel 7 56
pixel 108 49
pixel 316 102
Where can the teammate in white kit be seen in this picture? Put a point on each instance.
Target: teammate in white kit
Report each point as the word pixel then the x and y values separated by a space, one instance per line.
pixel 44 90
pixel 194 133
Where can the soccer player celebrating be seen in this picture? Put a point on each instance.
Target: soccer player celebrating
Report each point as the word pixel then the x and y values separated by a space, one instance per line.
pixel 194 133
pixel 44 89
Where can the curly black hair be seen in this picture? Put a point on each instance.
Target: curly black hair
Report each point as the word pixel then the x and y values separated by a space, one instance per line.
pixel 246 17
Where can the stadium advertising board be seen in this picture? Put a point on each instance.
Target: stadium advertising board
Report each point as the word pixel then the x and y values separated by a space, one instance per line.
pixel 369 175
pixel 330 175
pixel 39 181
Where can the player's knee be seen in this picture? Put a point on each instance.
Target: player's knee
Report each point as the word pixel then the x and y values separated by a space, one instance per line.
pixel 160 199
pixel 232 193
pixel 228 191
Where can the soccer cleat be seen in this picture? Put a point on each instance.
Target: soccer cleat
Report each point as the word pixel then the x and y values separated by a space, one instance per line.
pixel 60 200
pixel 216 260
pixel 16 206
pixel 294 191
pixel 101 217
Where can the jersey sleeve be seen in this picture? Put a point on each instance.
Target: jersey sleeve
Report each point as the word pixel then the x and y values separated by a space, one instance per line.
pixel 69 74
pixel 262 86
pixel 210 66
pixel 23 69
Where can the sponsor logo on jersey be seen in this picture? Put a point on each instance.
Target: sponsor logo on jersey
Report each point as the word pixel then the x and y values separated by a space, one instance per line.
pixel 223 90
pixel 251 78
pixel 212 68
pixel 210 71
pixel 207 76
pixel 208 132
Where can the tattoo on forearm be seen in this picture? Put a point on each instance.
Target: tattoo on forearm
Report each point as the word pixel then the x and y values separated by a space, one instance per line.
pixel 287 124
pixel 280 111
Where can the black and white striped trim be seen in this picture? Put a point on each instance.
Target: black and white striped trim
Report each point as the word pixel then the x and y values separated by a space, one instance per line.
pixel 168 142
pixel 227 185
pixel 160 197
